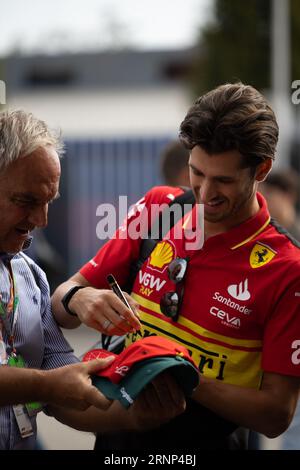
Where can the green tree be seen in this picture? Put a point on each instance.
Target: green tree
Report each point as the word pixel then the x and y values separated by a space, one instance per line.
pixel 236 45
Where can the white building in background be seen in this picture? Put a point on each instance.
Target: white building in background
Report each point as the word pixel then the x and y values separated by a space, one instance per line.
pixel 116 111
pixel 106 94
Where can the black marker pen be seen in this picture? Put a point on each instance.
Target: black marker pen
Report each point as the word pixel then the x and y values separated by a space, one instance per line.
pixel 117 290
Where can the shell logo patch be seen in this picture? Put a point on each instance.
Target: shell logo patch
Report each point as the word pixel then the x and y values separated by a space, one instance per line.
pixel 260 255
pixel 162 255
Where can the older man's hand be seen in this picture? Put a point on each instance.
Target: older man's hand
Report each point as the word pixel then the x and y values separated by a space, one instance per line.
pixel 71 386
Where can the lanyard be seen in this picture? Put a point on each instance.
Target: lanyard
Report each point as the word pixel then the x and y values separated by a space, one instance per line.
pixel 14 359
pixel 12 308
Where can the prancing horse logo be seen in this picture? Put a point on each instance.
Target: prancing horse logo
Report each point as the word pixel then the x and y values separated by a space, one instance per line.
pixel 260 255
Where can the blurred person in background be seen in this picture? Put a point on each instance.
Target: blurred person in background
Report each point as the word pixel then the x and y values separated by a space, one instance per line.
pixel 175 165
pixel 235 305
pixel 281 190
pixel 38 370
pixel 48 258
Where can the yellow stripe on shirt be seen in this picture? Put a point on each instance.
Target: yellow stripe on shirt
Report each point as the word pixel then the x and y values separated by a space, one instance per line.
pixel 154 307
pixel 218 361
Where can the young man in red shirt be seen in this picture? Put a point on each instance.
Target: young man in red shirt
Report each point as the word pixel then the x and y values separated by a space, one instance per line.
pixel 237 307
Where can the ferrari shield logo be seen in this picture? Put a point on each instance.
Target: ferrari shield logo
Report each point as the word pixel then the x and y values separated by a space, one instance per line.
pixel 260 255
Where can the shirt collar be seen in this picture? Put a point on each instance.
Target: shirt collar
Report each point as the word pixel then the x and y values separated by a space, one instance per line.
pixel 246 231
pixel 252 227
pixel 6 257
pixel 243 233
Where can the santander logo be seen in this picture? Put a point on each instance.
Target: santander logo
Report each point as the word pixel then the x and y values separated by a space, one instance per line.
pixel 239 291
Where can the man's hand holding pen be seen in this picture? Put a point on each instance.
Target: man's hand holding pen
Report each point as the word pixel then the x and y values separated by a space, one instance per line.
pixel 104 311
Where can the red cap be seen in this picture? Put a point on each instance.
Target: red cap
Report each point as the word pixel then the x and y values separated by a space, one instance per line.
pixel 145 348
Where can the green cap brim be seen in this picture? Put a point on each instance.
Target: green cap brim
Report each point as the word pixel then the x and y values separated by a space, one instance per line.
pixel 143 372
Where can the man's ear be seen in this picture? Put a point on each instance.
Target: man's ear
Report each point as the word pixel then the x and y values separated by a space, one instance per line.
pixel 263 170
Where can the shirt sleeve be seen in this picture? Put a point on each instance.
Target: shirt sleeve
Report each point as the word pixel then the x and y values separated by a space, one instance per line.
pixel 281 345
pixel 57 351
pixel 117 255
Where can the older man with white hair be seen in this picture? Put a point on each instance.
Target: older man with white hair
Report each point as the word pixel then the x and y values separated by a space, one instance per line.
pixel 37 365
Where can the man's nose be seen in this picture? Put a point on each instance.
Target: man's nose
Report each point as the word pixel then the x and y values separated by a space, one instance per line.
pixel 39 216
pixel 207 191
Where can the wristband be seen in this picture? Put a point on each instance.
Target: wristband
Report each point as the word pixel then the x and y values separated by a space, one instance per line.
pixel 68 296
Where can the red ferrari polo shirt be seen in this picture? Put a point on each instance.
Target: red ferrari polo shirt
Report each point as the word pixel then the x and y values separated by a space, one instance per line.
pixel 241 304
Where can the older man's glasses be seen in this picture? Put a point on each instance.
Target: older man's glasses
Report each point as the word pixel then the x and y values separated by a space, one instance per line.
pixel 170 302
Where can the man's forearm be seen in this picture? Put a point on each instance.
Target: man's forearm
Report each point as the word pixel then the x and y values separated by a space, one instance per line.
pixel 19 385
pixel 260 410
pixel 115 419
pixel 68 386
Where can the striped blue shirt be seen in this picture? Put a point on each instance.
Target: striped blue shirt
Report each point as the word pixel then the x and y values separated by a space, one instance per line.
pixel 37 336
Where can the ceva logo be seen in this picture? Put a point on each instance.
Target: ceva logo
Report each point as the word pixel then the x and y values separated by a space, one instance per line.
pixel 239 291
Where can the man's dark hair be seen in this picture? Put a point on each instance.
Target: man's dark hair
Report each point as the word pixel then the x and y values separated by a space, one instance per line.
pixel 232 117
pixel 174 158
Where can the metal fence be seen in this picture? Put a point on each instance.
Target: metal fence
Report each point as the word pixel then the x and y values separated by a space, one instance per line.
pixel 96 172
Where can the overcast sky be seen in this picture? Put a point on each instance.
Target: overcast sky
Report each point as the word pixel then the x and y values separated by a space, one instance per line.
pixel 77 24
